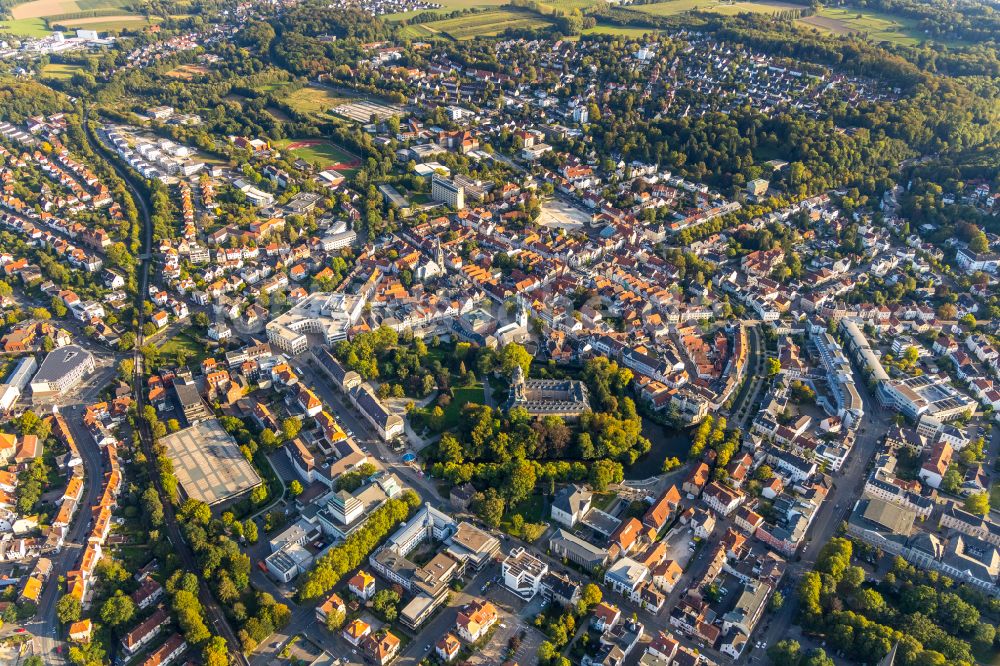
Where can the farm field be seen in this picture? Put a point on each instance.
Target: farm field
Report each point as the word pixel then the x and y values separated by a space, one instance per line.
pixel 60 71
pixel 109 23
pixel 447 6
pixel 47 8
pixel 673 7
pixel 876 27
pixel 487 24
pixel 26 27
pixel 317 151
pixel 618 30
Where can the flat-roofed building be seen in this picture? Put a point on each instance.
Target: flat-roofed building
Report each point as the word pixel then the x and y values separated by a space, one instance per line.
pixel 208 463
pixel 472 545
pixel 523 573
pixel 447 192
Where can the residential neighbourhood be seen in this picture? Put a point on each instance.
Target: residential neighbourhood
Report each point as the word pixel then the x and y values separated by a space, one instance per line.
pixel 397 332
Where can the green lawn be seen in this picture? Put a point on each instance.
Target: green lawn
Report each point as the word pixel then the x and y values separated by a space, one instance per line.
pixel 475 394
pixel 603 500
pixel 273 86
pixel 533 509
pixel 195 349
pixel 873 25
pixel 60 71
pixel 673 7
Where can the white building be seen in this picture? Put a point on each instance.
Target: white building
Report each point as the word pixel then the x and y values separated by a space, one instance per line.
pixel 523 573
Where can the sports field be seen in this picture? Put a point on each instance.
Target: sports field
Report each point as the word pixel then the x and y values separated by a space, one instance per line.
pixel 486 24
pixel 673 7
pixel 318 151
pixel 874 26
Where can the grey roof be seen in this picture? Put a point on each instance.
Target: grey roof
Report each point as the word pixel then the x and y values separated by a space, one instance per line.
pixel 563 541
pixel 61 362
pixel 572 498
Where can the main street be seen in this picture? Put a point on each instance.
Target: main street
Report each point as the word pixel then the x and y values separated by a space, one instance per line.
pixel 365 434
pixel 848 485
pixel 45 626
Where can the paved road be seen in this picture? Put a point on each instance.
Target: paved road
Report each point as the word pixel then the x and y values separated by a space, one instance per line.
pixel 365 434
pixel 833 512
pixel 303 619
pixel 45 626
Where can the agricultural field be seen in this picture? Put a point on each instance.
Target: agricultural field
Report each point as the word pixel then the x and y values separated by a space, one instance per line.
pixel 55 70
pixel 56 8
pixel 320 152
pixel 874 26
pixel 673 7
pixel 26 27
pixel 486 24
pixel 114 23
pixel 618 30
pixel 447 6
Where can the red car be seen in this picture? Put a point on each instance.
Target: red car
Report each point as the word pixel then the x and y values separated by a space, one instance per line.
pixel 20 630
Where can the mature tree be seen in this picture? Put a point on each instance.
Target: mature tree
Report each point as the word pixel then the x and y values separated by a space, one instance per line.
pixel 785 653
pixel 250 531
pixel 335 619
pixel 522 481
pixel 603 473
pixel 489 506
pixel 68 609
pixel 215 652
pixel 978 504
pixel 591 595
pixel 817 657
pixel 152 506
pixel 117 610
pixel 290 427
pixel 512 356
pixel 295 488
pixel 952 480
